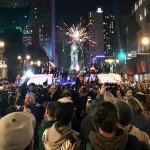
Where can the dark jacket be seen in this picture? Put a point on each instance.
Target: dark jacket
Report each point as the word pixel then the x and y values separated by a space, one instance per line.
pixel 121 141
pixel 118 142
pixel 142 121
pixel 87 125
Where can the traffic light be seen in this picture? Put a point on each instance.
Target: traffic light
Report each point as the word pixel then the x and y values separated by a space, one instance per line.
pixel 121 55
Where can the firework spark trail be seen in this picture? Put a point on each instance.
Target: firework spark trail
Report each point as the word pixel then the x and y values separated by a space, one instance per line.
pixel 78 34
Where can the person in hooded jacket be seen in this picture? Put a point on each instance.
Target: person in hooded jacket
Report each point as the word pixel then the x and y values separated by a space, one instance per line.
pixel 47 122
pixel 109 136
pixel 61 136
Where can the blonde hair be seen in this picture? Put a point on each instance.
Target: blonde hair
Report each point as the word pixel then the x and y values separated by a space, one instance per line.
pixel 108 96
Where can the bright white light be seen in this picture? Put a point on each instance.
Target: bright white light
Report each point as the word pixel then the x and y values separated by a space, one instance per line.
pixel 109 61
pixel 38 63
pixel 77 67
pixel 23 78
pixel 31 63
pixel 19 57
pixel 2 44
pixel 129 54
pixel 145 41
pixel 99 10
pixel 77 34
pixel 136 77
pixel 74 47
pixel 28 57
pixel 29 74
pixel 117 61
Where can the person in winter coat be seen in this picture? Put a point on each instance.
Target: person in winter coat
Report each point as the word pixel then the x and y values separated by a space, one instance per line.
pixel 125 119
pixel 61 136
pixel 47 122
pixel 109 136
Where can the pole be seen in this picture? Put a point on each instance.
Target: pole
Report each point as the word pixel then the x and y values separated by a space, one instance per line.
pixel 125 63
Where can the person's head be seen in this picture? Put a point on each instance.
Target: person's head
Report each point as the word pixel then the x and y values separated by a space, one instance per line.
pixel 108 96
pixel 128 93
pixel 29 99
pixel 92 65
pixel 118 92
pixel 136 105
pixel 64 112
pixel 81 78
pixel 90 104
pixel 95 89
pixel 32 87
pixel 141 98
pixel 16 130
pixel 125 113
pixel 67 94
pixel 106 117
pixel 83 90
pixel 50 110
pixel 52 89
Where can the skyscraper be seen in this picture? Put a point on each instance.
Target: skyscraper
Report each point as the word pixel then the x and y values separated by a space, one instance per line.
pixel 42 20
pixel 101 31
pixel 29 28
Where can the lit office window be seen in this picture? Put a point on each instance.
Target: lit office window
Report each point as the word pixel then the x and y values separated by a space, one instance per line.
pixel 136 6
pixel 145 12
pixel 140 2
pixel 141 17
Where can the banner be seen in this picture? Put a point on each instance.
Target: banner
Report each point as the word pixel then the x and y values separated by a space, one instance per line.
pixel 143 66
pixel 139 68
pixel 129 70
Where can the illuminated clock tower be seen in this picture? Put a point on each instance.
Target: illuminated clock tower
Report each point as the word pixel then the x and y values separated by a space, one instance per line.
pixel 74 56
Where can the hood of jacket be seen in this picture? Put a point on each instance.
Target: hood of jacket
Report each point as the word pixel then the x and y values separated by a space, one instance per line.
pixel 55 137
pixel 118 142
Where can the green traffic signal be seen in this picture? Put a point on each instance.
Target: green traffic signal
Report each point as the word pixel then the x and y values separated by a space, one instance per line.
pixel 121 55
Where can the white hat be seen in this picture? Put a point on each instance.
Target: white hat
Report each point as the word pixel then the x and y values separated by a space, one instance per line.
pixel 65 100
pixel 16 130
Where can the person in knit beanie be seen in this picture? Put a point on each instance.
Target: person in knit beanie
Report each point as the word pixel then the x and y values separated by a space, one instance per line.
pixel 125 117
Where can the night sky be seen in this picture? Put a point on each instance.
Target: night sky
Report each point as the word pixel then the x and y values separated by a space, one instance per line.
pixel 70 11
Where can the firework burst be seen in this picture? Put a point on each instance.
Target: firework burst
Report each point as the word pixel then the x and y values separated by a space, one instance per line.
pixel 77 34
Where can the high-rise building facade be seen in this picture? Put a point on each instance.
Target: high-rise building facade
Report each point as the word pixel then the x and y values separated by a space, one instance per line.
pixel 109 34
pixel 102 32
pixel 42 20
pixel 29 28
pixel 96 33
pixel 136 25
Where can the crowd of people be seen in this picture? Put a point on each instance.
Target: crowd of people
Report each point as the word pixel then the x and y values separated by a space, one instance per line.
pixel 75 117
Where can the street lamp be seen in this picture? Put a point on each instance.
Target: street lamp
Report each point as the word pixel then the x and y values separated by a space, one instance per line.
pixel 2 44
pixel 117 61
pixel 19 57
pixel 129 55
pixel 145 41
pixel 38 63
pixel 28 57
